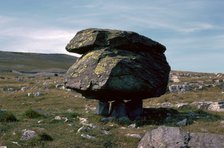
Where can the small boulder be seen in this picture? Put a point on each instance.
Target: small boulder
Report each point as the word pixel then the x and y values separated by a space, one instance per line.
pixel 216 106
pixel 174 137
pixel 138 136
pixel 182 122
pixel 28 134
pixel 86 136
pixel 37 94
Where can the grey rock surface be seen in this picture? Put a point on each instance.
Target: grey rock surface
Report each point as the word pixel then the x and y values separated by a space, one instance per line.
pixel 117 65
pixel 28 134
pixel 174 137
pixel 92 38
pixel 210 105
pixel 103 108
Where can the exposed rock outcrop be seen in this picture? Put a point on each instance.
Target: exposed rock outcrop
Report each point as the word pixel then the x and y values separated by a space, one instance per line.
pixel 174 137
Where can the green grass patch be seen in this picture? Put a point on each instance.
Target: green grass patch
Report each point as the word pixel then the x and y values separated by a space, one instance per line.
pixel 31 113
pixel 6 116
pixel 45 137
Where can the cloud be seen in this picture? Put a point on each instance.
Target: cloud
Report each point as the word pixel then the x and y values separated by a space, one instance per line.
pixel 189 29
pixel 5 20
pixel 36 39
pixel 38 33
pixel 178 17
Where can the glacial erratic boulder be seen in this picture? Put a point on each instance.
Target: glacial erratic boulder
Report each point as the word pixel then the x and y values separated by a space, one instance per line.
pixel 117 65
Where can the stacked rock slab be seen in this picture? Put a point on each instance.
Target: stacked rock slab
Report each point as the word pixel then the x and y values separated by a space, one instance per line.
pixel 116 66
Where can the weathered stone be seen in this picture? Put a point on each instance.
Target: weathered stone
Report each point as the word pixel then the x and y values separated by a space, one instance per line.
pixel 209 105
pixel 105 132
pixel 93 38
pixel 134 109
pixel 124 120
pixel 202 105
pixel 116 74
pixel 179 88
pixel 23 88
pixel 216 106
pixel 107 119
pixel 174 79
pixel 115 66
pixel 118 109
pixel 133 125
pixel 103 108
pixel 134 136
pixel 37 94
pixel 166 105
pixel 182 105
pixel 86 136
pixel 28 134
pixel 162 137
pixel 173 137
pixel 182 122
pixel 206 140
pixel 60 86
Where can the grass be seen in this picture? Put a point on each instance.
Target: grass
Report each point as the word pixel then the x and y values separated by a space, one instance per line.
pixel 45 137
pixel 6 116
pixel 34 61
pixel 69 105
pixel 30 113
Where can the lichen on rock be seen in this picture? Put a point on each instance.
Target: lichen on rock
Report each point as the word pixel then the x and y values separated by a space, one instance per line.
pixel 117 65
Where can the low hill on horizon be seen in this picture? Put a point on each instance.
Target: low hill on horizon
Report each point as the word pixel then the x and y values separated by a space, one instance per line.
pixel 35 62
pixel 42 62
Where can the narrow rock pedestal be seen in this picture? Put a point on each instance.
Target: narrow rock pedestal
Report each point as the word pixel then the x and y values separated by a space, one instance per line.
pixel 117 109
pixel 103 108
pixel 134 109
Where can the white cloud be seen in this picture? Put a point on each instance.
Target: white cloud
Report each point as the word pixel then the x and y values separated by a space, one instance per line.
pixel 189 29
pixel 4 20
pixel 41 39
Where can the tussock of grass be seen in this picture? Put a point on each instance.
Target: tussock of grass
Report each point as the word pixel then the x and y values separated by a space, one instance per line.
pixel 71 115
pixel 123 121
pixel 45 137
pixel 6 116
pixel 30 113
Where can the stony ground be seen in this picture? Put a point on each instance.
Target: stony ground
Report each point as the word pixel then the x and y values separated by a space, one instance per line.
pixel 36 111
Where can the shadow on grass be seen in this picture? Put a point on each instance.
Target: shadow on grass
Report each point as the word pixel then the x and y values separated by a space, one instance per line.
pixel 169 116
pixel 6 116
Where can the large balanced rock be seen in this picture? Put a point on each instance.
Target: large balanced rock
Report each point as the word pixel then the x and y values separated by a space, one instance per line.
pixel 117 65
pixel 174 137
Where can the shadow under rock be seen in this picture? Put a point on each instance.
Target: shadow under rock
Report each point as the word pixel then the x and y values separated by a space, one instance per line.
pixel 171 117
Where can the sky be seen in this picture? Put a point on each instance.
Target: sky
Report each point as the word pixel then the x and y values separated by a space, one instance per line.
pixel 191 30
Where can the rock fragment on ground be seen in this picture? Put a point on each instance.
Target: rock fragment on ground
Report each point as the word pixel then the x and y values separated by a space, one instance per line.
pixel 86 136
pixel 182 122
pixel 28 134
pixel 134 135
